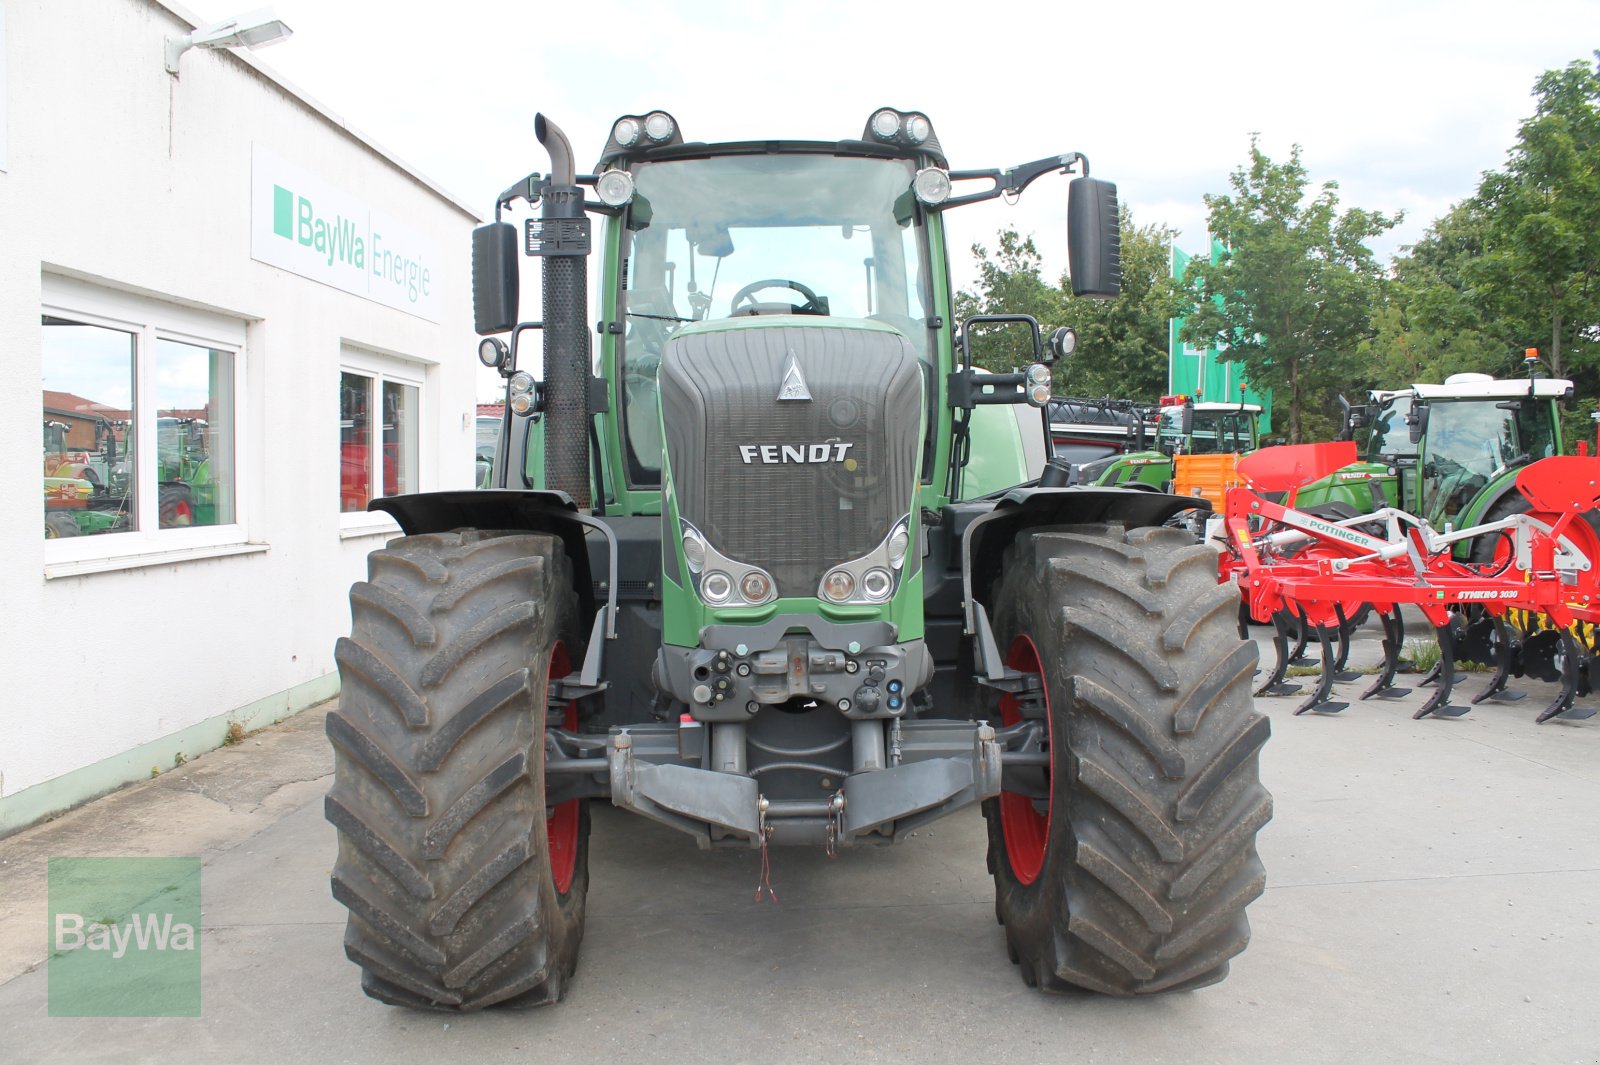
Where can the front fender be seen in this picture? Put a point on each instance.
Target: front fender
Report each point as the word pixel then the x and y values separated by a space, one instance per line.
pixel 513 509
pixel 984 539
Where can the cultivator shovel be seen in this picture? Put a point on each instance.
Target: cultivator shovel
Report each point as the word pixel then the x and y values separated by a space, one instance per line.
pixel 1535 611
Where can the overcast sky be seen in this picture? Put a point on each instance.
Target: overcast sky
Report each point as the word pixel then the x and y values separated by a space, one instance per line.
pixel 1403 102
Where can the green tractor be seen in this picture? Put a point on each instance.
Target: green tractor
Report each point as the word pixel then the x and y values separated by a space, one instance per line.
pixel 1449 453
pixel 1182 427
pixel 733 576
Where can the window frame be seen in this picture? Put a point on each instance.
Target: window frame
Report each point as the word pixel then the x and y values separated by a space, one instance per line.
pixel 381 368
pixel 150 320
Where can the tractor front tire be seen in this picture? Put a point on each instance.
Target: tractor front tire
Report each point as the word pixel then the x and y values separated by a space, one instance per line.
pixel 1125 865
pixel 464 889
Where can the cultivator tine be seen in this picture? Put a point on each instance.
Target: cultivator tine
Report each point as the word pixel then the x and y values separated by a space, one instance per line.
pixel 1318 700
pixel 1562 706
pixel 1504 656
pixel 1297 657
pixel 1394 642
pixel 1274 684
pixel 1445 676
pixel 1344 634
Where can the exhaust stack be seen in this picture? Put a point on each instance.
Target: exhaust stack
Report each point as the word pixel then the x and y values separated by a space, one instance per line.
pixel 562 240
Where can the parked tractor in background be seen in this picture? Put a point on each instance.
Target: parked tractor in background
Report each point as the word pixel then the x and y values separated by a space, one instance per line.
pixel 1195 450
pixel 1448 453
pixel 739 582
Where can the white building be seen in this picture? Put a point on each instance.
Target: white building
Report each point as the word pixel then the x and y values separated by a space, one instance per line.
pixel 244 318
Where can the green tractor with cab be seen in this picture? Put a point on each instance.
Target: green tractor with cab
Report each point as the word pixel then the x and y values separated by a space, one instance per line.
pixel 1182 426
pixel 775 566
pixel 1447 452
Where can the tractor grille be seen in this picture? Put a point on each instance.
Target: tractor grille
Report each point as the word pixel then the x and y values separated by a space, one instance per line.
pixel 725 426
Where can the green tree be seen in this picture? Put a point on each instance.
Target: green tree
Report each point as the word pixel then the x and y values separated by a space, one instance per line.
pixel 1432 322
pixel 1541 264
pixel 1292 298
pixel 1122 343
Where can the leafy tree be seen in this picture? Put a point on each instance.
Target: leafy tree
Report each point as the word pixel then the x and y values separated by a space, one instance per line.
pixel 1122 343
pixel 1431 322
pixel 1292 297
pixel 1541 264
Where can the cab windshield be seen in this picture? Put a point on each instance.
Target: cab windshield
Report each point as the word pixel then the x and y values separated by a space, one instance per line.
pixel 1215 432
pixel 1470 442
pixel 738 235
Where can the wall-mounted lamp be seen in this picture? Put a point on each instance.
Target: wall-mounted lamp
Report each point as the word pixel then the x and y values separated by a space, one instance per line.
pixel 251 30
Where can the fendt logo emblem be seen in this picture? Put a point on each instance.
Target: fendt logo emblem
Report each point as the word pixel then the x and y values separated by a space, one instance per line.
pixel 784 453
pixel 794 386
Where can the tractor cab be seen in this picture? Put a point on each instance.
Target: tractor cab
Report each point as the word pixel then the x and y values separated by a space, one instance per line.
pixel 1189 427
pixel 1446 452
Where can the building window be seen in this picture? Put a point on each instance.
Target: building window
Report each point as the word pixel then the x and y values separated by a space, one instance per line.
pixel 379 425
pixel 139 422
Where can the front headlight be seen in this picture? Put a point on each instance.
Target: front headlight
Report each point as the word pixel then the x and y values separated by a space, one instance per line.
pixel 720 580
pixel 874 577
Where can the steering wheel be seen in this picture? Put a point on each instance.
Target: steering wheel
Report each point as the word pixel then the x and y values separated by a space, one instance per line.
pixel 812 305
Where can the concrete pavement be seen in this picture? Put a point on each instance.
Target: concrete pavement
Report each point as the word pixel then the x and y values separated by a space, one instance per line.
pixel 1431 890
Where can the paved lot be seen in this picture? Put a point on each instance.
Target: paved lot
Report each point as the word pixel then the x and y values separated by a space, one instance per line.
pixel 1431 898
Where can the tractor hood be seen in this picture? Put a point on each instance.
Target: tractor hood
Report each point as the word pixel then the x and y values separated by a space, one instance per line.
pixel 792 442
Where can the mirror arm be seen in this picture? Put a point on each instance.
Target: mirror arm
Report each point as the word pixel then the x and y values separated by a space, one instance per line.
pixel 1012 182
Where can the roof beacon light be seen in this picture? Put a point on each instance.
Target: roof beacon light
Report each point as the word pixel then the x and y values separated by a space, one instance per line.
pixel 932 185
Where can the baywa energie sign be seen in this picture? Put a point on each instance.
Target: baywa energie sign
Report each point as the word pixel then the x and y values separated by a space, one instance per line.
pixel 305 225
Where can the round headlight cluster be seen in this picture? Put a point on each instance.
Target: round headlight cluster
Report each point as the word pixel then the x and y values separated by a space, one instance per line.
pixel 876 584
pixel 886 124
pixel 716 587
pixel 838 585
pixel 521 382
pixel 625 132
pixel 917 128
pixel 931 185
pixel 755 586
pixel 659 126
pixel 614 187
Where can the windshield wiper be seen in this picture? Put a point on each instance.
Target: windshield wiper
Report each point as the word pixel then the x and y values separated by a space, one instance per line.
pixel 658 317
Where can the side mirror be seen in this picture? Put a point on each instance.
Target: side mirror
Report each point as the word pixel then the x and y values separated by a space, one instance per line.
pixel 1417 419
pixel 1186 421
pixel 494 278
pixel 1063 342
pixel 1094 238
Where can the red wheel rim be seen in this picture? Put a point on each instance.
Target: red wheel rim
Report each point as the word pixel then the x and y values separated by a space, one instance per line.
pixel 1026 830
pixel 561 822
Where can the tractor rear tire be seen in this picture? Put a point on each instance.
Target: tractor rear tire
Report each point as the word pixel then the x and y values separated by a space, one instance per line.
pixel 1132 877
pixel 464 889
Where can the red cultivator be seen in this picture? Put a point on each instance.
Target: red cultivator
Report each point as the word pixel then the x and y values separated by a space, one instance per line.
pixel 1320 576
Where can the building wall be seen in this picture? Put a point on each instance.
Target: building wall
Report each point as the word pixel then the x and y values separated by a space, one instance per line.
pixel 122 180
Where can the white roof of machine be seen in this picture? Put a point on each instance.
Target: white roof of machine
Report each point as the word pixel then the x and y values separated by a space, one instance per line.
pixel 1543 388
pixel 1254 407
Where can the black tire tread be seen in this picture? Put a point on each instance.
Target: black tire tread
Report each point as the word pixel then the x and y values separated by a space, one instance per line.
pixel 1152 858
pixel 438 787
